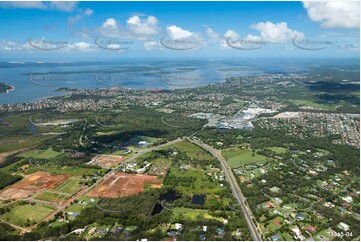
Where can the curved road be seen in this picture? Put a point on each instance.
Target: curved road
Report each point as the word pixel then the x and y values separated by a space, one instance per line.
pixel 235 189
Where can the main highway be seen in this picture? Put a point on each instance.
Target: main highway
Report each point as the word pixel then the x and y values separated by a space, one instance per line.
pixel 227 170
pixel 235 189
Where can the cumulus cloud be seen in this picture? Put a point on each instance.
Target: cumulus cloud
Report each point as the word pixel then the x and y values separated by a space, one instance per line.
pixel 110 23
pixel 276 33
pixel 176 32
pixel 147 27
pixel 58 6
pixel 136 27
pixel 334 14
pixel 231 34
pixel 212 34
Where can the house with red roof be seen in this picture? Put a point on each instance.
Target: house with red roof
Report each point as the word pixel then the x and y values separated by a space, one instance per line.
pixel 311 228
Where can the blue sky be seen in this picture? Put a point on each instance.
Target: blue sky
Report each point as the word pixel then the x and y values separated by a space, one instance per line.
pixel 83 30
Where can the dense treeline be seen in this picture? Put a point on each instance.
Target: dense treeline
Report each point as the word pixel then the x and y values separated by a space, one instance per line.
pixel 6 179
pixel 9 160
pixel 134 210
pixel 347 156
pixel 6 232
pixel 120 127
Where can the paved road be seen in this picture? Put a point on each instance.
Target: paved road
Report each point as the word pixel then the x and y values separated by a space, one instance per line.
pixel 86 190
pixel 65 204
pixel 235 189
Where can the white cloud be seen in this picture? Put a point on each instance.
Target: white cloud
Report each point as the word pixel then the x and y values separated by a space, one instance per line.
pixel 83 13
pixel 14 47
pixel 110 23
pixel 63 6
pixel 231 34
pixel 88 12
pixel 136 27
pixel 135 20
pixel 111 28
pixel 349 47
pixel 175 32
pixel 24 4
pixel 59 6
pixel 276 33
pixel 151 45
pixel 147 27
pixel 334 14
pixel 7 45
pixel 251 37
pixel 81 46
pixel 152 20
pixel 212 34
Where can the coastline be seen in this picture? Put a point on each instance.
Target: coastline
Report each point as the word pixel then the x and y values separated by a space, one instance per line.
pixel 6 88
pixel 35 99
pixel 12 88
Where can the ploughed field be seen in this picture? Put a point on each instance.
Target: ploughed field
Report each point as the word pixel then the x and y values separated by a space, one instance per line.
pixel 122 184
pixel 31 184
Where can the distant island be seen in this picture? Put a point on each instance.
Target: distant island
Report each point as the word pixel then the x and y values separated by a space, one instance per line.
pixel 5 88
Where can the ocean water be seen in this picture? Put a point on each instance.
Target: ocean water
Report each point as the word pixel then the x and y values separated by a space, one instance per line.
pixel 37 80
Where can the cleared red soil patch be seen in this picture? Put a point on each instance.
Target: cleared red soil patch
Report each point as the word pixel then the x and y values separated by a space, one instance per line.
pixel 32 183
pixel 107 161
pixel 122 184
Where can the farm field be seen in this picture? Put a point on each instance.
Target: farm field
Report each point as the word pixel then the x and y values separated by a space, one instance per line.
pixel 58 170
pixel 51 196
pixel 69 186
pixel 311 104
pixel 122 184
pixel 15 144
pixel 193 151
pixel 40 154
pixel 189 214
pixel 237 157
pixel 26 215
